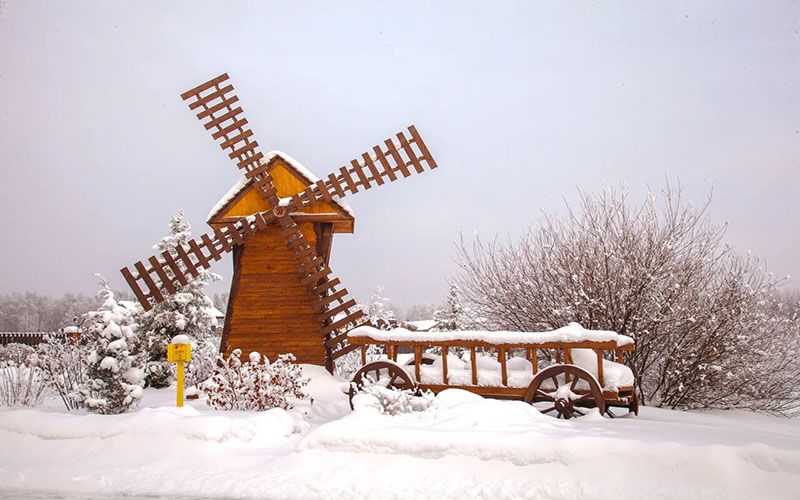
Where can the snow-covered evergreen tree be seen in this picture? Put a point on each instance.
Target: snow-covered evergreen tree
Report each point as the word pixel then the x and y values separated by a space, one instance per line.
pixel 184 312
pixel 451 316
pixel 114 361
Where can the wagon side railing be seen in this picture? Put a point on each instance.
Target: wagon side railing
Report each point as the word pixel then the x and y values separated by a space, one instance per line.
pixel 563 353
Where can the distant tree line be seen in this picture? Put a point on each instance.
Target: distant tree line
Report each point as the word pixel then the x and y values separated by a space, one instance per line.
pixel 36 312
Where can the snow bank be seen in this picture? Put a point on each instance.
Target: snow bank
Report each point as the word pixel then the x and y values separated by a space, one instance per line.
pixel 155 423
pixel 573 332
pixel 463 447
pixel 589 458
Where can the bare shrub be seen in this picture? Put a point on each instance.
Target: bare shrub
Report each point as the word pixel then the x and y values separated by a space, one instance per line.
pixel 709 323
pixel 63 364
pixel 21 384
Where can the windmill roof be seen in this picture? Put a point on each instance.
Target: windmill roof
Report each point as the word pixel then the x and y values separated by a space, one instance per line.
pixel 243 183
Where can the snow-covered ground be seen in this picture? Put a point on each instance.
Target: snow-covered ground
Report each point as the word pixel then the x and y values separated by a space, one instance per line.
pixel 465 446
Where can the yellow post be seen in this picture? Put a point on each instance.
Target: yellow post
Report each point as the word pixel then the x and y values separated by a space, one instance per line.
pixel 180 352
pixel 179 402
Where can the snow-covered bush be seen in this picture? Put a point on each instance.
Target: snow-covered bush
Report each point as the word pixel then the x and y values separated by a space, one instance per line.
pixel 62 361
pixel 21 384
pixel 187 311
pixel 255 384
pixel 114 359
pixel 346 366
pixel 390 400
pixel 20 354
pixel 710 328
pixel 205 353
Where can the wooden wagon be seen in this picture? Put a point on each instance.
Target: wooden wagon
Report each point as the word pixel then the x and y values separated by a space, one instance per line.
pixel 563 372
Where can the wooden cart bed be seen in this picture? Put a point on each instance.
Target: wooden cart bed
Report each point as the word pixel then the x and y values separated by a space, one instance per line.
pixel 505 364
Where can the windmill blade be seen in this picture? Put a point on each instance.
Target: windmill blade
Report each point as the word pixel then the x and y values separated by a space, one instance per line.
pixel 216 105
pixel 337 310
pixel 167 272
pixel 384 162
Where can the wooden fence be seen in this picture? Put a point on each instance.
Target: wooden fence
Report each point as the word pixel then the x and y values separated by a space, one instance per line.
pixel 28 338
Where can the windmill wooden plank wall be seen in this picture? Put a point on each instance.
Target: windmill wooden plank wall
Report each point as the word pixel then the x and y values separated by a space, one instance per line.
pixel 269 310
pixel 280 225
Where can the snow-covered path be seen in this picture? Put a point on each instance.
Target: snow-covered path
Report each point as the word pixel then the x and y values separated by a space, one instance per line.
pixel 466 447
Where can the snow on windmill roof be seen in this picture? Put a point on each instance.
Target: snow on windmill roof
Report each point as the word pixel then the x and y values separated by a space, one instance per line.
pixel 243 183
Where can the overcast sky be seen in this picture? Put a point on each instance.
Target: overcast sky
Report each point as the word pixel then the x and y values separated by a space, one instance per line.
pixel 521 103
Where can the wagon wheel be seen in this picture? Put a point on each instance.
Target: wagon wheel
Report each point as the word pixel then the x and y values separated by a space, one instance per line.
pixel 633 403
pixel 568 398
pixel 385 373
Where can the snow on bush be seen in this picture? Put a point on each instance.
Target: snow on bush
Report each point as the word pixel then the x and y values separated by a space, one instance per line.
pixel 62 361
pixel 114 359
pixel 205 352
pixel 376 397
pixel 21 384
pixel 256 384
pixel 20 354
pixel 346 366
pixel 711 327
pixel 185 312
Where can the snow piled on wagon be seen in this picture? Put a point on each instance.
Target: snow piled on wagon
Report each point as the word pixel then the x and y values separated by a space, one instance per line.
pixel 572 332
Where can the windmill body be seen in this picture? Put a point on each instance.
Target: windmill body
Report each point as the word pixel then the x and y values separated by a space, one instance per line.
pixel 279 222
pixel 269 310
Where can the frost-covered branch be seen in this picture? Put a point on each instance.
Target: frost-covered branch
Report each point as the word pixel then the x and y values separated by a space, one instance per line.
pixel 713 328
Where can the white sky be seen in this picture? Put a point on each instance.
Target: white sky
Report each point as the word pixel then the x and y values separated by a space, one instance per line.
pixel 520 103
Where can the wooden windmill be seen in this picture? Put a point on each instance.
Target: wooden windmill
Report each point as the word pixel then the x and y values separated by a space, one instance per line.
pixel 279 221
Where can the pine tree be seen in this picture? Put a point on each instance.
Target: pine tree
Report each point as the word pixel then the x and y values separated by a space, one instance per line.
pixel 114 360
pixel 184 312
pixel 452 315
